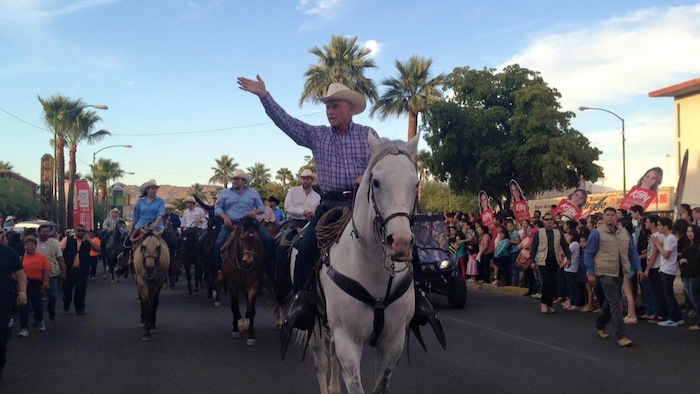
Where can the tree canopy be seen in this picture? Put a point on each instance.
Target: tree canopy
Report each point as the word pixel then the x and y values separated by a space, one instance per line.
pixel 499 126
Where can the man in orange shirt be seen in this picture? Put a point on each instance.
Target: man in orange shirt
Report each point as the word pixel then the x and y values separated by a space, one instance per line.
pixel 37 269
pixel 76 252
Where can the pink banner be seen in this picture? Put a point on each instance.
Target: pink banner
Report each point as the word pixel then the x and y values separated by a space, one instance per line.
pixel 82 205
pixel 638 196
pixel 567 208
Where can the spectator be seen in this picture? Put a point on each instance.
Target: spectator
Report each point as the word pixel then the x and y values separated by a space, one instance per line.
pixel 9 264
pixel 51 249
pixel 668 251
pixel 36 268
pixel 483 257
pixel 690 267
pixel 549 247
pixel 657 303
pixel 571 268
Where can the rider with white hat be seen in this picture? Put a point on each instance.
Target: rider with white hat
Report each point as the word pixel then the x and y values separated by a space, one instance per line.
pixel 193 216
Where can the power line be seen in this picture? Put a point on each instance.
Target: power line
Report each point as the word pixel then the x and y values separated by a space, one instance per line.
pixel 24 121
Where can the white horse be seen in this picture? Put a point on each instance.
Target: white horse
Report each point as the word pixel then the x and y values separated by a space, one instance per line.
pixel 374 251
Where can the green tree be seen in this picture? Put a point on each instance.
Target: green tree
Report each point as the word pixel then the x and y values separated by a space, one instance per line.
pixel 503 126
pixel 285 176
pixel 105 171
pixel 343 61
pixel 17 199
pixel 6 166
pixel 223 169
pixel 438 198
pixel 260 174
pixel 411 92
pixel 81 131
pixel 195 190
pixel 60 114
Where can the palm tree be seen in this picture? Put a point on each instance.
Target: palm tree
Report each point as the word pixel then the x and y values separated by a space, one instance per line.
pixel 285 176
pixel 6 166
pixel 105 170
pixel 222 172
pixel 60 114
pixel 260 174
pixel 81 132
pixel 341 61
pixel 411 92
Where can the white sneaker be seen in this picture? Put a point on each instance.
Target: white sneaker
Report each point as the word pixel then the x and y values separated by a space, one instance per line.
pixel 671 323
pixel 42 326
pixel 23 333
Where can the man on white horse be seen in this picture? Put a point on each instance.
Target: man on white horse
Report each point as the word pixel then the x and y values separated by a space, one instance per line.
pixel 301 201
pixel 341 153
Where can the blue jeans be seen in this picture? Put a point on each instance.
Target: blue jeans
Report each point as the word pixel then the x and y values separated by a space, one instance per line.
pixel 52 293
pixel 576 289
pixel 692 287
pixel 674 311
pixel 658 302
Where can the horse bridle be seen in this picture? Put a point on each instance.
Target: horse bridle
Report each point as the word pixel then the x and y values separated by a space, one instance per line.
pixel 244 251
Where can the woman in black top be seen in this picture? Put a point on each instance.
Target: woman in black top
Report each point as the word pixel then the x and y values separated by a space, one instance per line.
pixel 690 269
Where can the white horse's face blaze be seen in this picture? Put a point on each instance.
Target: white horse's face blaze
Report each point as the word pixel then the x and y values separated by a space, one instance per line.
pixel 394 192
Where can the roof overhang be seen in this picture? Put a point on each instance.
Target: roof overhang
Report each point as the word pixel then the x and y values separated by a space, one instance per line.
pixel 681 89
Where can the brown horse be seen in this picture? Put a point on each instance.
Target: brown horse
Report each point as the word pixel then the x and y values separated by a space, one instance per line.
pixel 151 263
pixel 243 257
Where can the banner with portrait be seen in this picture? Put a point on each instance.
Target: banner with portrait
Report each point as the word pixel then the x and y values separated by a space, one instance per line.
pixel 520 207
pixel 572 206
pixel 645 191
pixel 488 218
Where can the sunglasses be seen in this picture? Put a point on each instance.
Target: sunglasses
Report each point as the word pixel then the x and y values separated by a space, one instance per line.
pixel 80 231
pixel 548 219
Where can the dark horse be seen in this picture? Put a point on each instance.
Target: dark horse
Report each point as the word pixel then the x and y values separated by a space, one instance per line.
pixel 151 264
pixel 114 247
pixel 243 268
pixel 188 255
pixel 207 257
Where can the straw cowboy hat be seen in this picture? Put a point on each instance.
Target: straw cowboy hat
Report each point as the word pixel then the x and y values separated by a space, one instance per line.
pixel 142 188
pixel 338 91
pixel 309 173
pixel 169 206
pixel 190 199
pixel 115 209
pixel 10 218
pixel 237 173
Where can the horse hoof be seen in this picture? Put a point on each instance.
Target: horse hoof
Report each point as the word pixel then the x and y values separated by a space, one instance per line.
pixel 235 334
pixel 250 342
pixel 217 303
pixel 146 338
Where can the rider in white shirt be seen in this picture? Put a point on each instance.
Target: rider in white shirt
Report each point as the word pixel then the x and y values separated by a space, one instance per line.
pixel 193 216
pixel 301 201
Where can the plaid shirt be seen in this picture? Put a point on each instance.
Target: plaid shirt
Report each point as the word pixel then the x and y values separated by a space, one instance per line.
pixel 340 158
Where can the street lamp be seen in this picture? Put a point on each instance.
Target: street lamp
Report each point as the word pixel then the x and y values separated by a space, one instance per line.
pixel 624 167
pixel 55 154
pixel 94 156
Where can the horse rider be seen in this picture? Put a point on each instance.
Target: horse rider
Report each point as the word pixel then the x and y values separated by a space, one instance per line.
pixel 194 217
pixel 268 216
pixel 149 214
pixel 108 226
pixel 301 201
pixel 279 215
pixel 172 217
pixel 235 203
pixel 341 153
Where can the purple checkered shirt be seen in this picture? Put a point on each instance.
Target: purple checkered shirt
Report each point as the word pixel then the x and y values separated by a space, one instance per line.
pixel 340 158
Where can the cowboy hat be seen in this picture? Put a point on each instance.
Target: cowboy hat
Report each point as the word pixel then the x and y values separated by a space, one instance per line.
pixel 10 218
pixel 190 199
pixel 169 206
pixel 115 209
pixel 152 182
pixel 309 173
pixel 237 173
pixel 338 91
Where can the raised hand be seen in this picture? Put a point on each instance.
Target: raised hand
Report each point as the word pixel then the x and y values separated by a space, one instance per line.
pixel 257 87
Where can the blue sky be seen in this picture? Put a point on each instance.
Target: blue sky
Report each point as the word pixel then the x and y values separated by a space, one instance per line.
pixel 170 67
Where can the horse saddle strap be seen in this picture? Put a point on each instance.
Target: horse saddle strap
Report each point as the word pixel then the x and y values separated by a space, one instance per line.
pixel 352 287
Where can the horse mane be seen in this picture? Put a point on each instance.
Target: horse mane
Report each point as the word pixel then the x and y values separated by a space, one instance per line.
pixel 386 147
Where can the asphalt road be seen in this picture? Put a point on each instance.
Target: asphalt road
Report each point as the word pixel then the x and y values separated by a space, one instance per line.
pixel 498 344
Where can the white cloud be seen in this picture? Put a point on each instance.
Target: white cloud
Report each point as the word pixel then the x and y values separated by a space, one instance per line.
pixel 618 58
pixel 373 46
pixel 324 9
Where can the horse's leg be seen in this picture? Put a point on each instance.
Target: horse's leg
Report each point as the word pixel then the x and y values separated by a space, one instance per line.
pixel 154 307
pixel 388 352
pixel 317 344
pixel 235 311
pixel 198 273
pixel 189 276
pixel 349 354
pixel 250 314
pixel 334 385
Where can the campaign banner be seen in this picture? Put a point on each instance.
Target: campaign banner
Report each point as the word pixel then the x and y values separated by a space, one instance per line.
pixel 520 207
pixel 568 208
pixel 82 206
pixel 488 219
pixel 638 196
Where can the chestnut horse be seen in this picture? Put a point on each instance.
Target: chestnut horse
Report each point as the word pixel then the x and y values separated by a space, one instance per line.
pixel 243 268
pixel 151 263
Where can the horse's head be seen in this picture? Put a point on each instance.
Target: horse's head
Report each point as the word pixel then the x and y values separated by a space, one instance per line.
pixel 151 249
pixel 248 247
pixel 391 186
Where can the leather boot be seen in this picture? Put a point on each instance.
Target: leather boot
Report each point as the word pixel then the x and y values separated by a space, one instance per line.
pixel 423 315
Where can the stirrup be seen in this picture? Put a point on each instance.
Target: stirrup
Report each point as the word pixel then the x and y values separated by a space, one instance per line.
pixel 300 315
pixel 423 315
